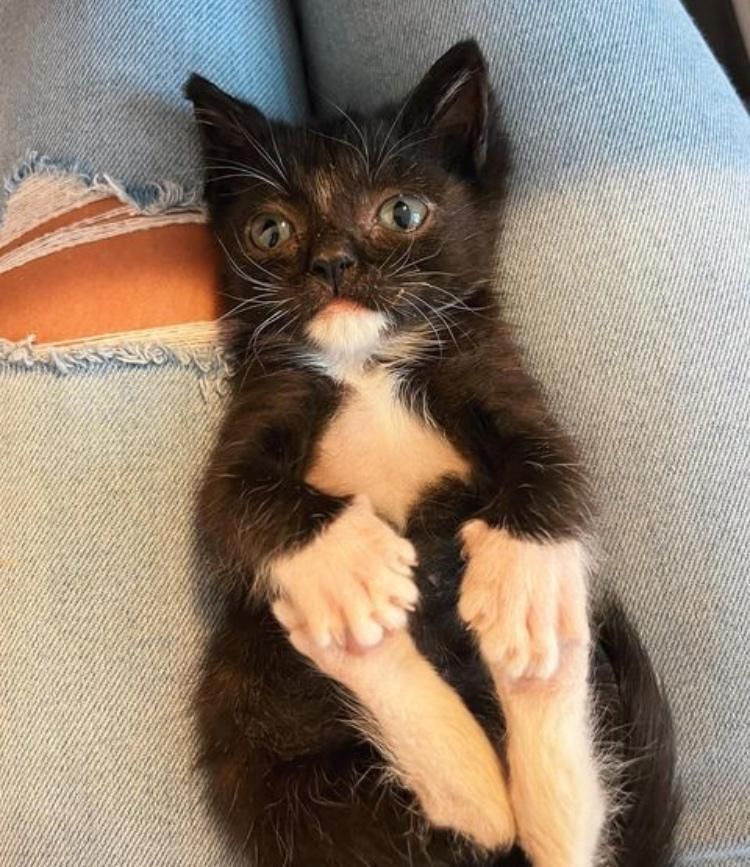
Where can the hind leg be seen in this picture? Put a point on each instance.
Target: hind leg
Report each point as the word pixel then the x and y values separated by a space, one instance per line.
pixel 434 744
pixel 526 602
pixel 557 796
pixel 286 776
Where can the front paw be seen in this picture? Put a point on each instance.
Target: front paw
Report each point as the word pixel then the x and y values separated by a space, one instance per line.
pixel 525 600
pixel 352 583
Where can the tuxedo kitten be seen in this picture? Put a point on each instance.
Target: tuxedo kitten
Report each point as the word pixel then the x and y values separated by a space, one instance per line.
pixel 405 673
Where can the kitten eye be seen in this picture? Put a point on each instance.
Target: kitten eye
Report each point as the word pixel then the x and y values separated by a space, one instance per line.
pixel 402 213
pixel 268 231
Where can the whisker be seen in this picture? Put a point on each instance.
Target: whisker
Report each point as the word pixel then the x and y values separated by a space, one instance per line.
pixel 392 127
pixel 263 153
pixel 401 262
pixel 427 320
pixel 447 322
pixel 358 151
pixel 254 262
pixel 401 145
pixel 357 129
pixel 276 149
pixel 261 179
pixel 235 267
pixel 245 303
pixel 414 262
pixel 455 300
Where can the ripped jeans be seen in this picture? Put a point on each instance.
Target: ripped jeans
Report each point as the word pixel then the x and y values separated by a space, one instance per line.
pixel 626 265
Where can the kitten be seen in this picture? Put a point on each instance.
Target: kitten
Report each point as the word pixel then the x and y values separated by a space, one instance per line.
pixel 403 673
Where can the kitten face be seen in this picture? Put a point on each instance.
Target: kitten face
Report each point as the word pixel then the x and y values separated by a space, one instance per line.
pixel 348 230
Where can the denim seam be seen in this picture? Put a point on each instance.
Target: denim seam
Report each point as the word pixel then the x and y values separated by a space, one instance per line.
pixel 210 361
pixel 150 198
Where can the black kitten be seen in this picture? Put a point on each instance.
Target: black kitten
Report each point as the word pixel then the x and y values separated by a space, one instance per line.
pixel 402 521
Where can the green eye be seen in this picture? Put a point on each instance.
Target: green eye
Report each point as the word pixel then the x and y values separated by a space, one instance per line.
pixel 402 213
pixel 269 231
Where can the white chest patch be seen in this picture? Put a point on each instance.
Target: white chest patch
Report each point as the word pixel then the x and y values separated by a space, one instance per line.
pixel 374 445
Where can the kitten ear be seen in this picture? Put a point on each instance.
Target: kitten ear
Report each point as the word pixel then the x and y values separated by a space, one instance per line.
pixel 227 126
pixel 453 101
pixel 223 120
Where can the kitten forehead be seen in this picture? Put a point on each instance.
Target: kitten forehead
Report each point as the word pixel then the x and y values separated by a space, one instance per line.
pixel 323 188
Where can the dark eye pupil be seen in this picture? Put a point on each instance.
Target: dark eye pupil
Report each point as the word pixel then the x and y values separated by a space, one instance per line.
pixel 271 233
pixel 402 215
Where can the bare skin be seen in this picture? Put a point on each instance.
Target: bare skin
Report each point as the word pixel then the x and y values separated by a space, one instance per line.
pixel 163 276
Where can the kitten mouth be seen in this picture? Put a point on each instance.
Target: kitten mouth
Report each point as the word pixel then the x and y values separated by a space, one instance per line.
pixel 341 305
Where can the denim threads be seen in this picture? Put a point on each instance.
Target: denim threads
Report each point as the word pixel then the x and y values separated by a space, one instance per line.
pixel 195 347
pixel 152 198
pixel 124 220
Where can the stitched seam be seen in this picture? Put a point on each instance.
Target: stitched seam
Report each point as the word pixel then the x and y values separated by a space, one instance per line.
pixel 199 346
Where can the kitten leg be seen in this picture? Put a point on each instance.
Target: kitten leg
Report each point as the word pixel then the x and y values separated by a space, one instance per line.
pixel 557 795
pixel 421 725
pixel 526 602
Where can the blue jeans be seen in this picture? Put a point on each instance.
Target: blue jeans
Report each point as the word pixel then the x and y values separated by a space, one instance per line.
pixel 625 263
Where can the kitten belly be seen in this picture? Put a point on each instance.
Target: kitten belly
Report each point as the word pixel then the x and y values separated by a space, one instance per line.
pixel 374 445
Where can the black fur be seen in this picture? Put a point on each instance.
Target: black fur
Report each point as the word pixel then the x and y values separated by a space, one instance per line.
pixel 636 731
pixel 290 779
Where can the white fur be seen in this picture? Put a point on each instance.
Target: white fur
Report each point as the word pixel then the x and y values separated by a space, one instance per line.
pixel 526 602
pixel 434 744
pixel 346 338
pixel 524 598
pixel 376 446
pixel 353 581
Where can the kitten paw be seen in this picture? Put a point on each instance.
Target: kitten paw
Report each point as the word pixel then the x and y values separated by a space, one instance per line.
pixel 352 583
pixel 525 600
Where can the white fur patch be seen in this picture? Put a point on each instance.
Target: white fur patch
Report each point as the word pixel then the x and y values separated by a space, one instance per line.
pixel 351 583
pixel 378 447
pixel 346 338
pixel 523 598
pixel 557 793
pixel 432 741
pixel 527 604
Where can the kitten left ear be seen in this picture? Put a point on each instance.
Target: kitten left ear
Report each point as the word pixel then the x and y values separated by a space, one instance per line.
pixel 221 117
pixel 453 101
pixel 226 125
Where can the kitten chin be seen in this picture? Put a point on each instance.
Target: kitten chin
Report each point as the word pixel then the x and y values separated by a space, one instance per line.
pixel 346 334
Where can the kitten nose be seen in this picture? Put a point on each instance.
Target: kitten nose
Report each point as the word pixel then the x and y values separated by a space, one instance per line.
pixel 330 267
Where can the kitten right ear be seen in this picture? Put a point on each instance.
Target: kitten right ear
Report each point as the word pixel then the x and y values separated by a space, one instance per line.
pixel 227 127
pixel 454 103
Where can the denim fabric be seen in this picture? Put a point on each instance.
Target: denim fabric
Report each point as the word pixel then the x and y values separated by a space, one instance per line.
pixel 99 84
pixel 104 607
pixel 626 264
